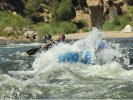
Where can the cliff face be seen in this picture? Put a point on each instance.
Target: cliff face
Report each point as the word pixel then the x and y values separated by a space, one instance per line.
pixel 105 9
pixel 97 10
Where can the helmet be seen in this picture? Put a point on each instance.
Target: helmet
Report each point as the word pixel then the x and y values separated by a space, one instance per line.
pixel 49 36
pixel 101 45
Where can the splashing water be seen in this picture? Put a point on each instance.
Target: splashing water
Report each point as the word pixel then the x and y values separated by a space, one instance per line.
pixel 49 78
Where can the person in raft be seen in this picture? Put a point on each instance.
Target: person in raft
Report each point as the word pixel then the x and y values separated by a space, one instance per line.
pixel 101 46
pixel 50 42
pixel 47 38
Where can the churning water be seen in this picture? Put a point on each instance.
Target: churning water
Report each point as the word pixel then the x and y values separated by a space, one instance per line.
pixel 42 77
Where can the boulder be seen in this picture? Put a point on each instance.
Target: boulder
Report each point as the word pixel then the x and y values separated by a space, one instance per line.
pixel 8 30
pixel 118 6
pixel 32 35
pixel 127 29
pixel 96 12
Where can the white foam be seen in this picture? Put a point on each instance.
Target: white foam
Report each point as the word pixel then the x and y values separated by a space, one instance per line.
pixel 46 63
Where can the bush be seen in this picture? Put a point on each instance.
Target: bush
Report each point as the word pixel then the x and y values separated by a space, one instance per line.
pixel 16 21
pixel 130 2
pixel 83 23
pixel 68 27
pixel 56 27
pixel 65 11
pixel 32 6
pixel 117 23
pixel 130 12
pixel 108 26
pixel 43 28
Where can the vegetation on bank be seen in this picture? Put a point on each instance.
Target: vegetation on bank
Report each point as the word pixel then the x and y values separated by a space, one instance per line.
pixel 130 2
pixel 8 19
pixel 117 23
pixel 56 28
pixel 59 24
pixel 61 19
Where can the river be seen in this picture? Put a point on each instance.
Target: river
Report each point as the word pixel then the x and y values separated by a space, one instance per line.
pixel 41 76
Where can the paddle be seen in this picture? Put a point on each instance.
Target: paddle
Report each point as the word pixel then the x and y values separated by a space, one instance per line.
pixel 32 51
pixel 45 46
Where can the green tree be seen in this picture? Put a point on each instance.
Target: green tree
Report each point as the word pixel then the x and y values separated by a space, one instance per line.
pixel 31 6
pixel 130 2
pixel 65 11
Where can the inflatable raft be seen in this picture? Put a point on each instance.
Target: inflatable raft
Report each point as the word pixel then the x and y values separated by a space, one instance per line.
pixel 74 57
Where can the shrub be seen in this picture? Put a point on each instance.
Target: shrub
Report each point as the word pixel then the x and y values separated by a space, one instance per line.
pixel 108 26
pixel 16 21
pixel 117 23
pixel 83 23
pixel 130 2
pixel 68 27
pixel 130 12
pixel 56 27
pixel 32 6
pixel 65 11
pixel 42 28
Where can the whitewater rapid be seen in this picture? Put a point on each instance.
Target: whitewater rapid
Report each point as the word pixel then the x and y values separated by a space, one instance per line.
pixel 48 78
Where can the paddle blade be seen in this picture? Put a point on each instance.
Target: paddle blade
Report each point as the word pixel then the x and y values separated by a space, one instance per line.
pixel 32 51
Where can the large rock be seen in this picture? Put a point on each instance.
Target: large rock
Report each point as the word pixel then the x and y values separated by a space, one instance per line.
pixel 96 12
pixel 127 29
pixel 118 6
pixel 31 35
pixel 8 30
pixel 107 4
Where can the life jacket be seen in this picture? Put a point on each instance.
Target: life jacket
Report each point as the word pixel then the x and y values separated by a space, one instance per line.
pixel 101 45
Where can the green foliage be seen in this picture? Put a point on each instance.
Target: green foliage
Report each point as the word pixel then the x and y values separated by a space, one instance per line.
pixel 65 11
pixel 68 27
pixel 8 19
pixel 130 2
pixel 53 8
pixel 108 26
pixel 31 6
pixel 43 28
pixel 83 23
pixel 56 27
pixel 130 12
pixel 117 23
